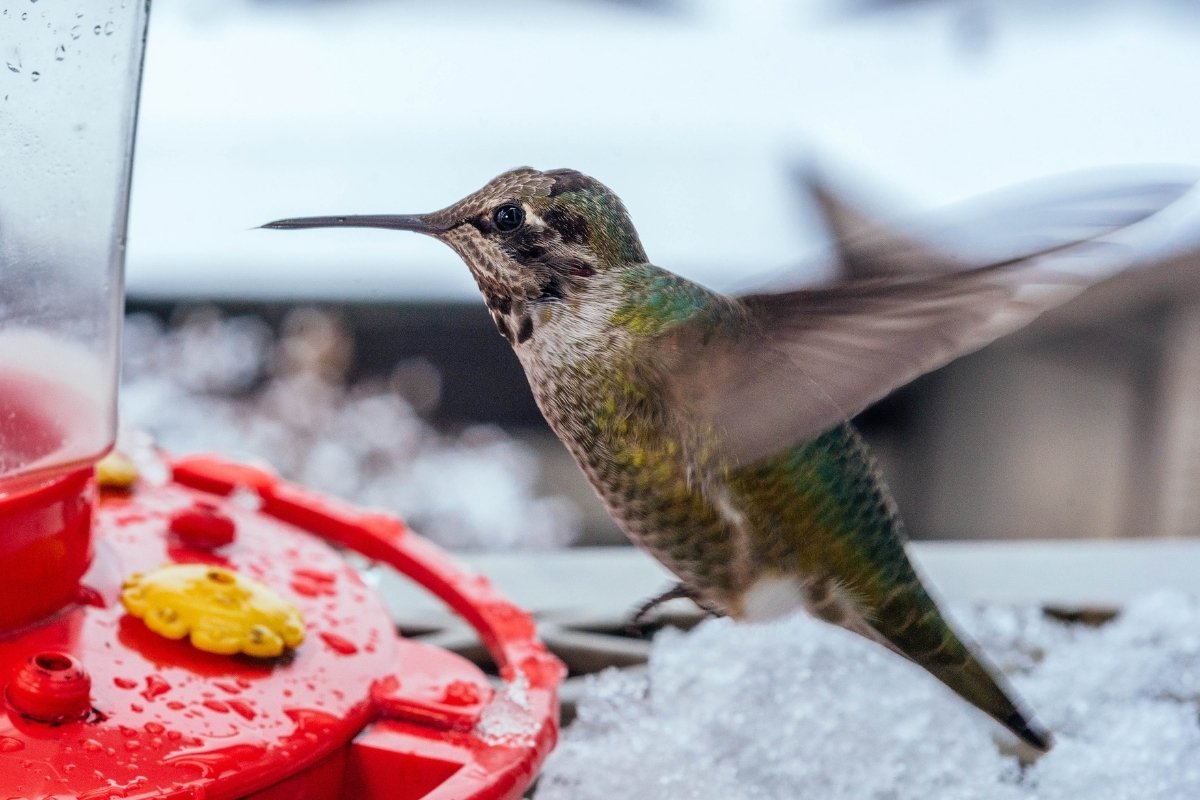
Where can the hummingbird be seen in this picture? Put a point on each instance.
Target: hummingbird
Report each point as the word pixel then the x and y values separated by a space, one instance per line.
pixel 715 428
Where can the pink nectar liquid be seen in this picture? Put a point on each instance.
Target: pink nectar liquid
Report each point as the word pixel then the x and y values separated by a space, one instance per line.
pixel 54 411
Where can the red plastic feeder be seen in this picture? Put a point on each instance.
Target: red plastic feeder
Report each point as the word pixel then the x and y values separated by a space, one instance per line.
pixel 197 636
pixel 97 705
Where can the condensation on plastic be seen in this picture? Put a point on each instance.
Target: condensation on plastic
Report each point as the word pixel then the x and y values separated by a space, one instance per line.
pixel 69 80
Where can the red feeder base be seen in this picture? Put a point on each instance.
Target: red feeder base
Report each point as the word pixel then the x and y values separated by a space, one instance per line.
pixel 98 706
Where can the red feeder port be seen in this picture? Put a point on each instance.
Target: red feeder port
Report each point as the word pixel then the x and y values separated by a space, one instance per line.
pixel 353 710
pixel 50 687
pixel 203 526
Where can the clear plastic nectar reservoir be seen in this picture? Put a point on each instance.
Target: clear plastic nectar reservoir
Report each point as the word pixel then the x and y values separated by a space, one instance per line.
pixel 68 103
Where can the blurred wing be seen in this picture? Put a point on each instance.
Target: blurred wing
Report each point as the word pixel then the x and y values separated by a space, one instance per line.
pixel 815 357
pixel 1001 226
pixel 864 245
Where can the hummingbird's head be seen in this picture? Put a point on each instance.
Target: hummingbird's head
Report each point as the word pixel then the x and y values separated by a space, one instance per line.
pixel 529 237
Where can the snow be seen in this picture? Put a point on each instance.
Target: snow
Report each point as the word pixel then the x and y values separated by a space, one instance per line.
pixel 799 709
pixel 227 386
pixel 509 719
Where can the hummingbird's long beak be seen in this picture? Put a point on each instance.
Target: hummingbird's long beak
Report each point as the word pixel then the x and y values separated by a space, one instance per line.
pixel 397 222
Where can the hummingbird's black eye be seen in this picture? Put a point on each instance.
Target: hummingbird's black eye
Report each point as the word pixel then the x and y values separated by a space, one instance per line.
pixel 509 217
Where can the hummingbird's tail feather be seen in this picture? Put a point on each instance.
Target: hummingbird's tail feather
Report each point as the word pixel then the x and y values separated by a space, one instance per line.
pixel 976 684
pixel 825 526
pixel 1029 731
pixel 910 623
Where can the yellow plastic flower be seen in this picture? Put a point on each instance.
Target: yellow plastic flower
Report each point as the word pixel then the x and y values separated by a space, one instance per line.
pixel 222 611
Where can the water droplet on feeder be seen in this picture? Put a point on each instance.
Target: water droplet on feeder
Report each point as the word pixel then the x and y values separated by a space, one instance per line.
pixel 96 30
pixel 35 75
pixel 14 67
pixel 60 53
pixel 461 693
pixel 108 29
pixel 338 644
pixel 156 686
pixel 217 706
pixel 243 709
pixel 75 32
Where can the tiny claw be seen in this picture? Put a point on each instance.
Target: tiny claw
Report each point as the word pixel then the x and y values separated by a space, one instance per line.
pixel 675 592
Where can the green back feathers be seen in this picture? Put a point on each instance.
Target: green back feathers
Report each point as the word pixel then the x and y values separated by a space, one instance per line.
pixel 654 301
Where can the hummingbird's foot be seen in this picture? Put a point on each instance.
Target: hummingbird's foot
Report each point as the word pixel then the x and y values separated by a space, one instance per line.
pixel 675 592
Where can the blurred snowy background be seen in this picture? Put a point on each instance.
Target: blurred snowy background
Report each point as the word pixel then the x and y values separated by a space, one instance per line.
pixel 698 113
pixel 230 386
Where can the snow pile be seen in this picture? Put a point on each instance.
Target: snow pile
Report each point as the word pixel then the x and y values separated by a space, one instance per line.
pixel 228 386
pixel 798 710
pixel 509 719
